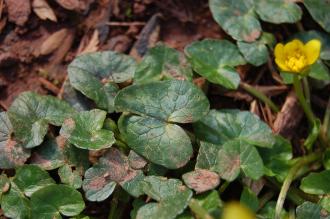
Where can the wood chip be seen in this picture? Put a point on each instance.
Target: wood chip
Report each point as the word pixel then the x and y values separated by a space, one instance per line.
pixel 43 10
pixel 53 42
pixel 18 11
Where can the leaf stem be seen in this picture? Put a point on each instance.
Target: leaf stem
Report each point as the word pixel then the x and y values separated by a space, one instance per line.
pixel 300 94
pixel 290 177
pixel 198 210
pixel 261 96
pixel 223 187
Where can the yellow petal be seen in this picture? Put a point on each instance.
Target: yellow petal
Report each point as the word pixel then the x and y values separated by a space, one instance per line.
pixel 279 51
pixel 293 47
pixel 281 64
pixel 235 210
pixel 312 50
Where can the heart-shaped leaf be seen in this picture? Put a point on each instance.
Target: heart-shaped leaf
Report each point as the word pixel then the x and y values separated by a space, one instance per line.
pixel 319 11
pixel 170 101
pixel 172 197
pixel 236 156
pixel 84 130
pixel 31 113
pixel 237 18
pixel 207 155
pixel 278 11
pixel 215 60
pixel 54 200
pixel 95 75
pixel 316 183
pixel 70 177
pixel 162 62
pixel 113 168
pixel 31 178
pixel 12 154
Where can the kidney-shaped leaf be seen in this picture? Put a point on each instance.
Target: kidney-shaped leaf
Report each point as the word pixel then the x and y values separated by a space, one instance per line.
pixel 171 101
pixel 53 200
pixel 237 18
pixel 172 197
pixel 220 126
pixel 278 11
pixel 31 113
pixel 215 60
pixel 160 142
pixel 12 154
pixel 320 12
pixel 84 130
pixel 316 183
pixel 162 62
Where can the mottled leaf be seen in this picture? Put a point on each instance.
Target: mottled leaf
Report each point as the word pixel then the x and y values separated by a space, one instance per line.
pixel 171 195
pixel 320 12
pixel 160 63
pixel 171 100
pixel 207 155
pixel 308 210
pixel 201 180
pixel 162 143
pixel 237 18
pixel 211 202
pixel 31 113
pixel 316 183
pixel 31 178
pixel 136 161
pixel 70 177
pixel 249 199
pixel 4 184
pixel 215 60
pixel 12 154
pixel 53 200
pixel 84 130
pixel 76 99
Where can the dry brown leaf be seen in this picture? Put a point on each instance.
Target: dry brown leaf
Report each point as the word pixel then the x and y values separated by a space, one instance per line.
pixel 43 10
pixel 53 42
pixel 18 11
pixel 93 44
pixel 69 4
pixel 1 7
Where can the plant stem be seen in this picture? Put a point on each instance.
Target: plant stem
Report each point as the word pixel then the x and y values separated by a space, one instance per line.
pixel 307 91
pixel 326 119
pixel 198 210
pixel 290 177
pixel 261 96
pixel 223 187
pixel 300 94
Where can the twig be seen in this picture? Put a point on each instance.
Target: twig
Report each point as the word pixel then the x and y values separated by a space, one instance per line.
pixel 121 24
pixel 49 85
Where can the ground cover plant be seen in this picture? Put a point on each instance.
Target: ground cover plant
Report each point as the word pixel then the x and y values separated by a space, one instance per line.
pixel 147 138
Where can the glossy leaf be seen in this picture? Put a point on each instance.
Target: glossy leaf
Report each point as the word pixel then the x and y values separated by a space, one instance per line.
pixel 215 60
pixel 308 210
pixel 316 183
pixel 160 142
pixel 171 195
pixel 54 200
pixel 31 113
pixel 207 155
pixel 237 18
pixel 70 177
pixel 31 178
pixel 211 202
pixel 171 101
pixel 160 63
pixel 84 130
pixel 319 11
pixel 12 154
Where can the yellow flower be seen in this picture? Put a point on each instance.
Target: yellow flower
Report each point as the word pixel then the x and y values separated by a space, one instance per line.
pixel 235 210
pixel 295 56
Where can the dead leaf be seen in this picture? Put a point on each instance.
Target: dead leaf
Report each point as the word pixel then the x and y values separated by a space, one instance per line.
pixel 43 10
pixel 69 4
pixel 18 11
pixel 93 44
pixel 53 42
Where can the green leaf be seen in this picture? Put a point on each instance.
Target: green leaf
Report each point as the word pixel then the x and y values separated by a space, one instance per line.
pixel 268 211
pixel 84 130
pixel 201 180
pixel 53 200
pixel 4 185
pixel 162 62
pixel 220 126
pixel 249 199
pixel 316 183
pixel 136 161
pixel 31 113
pixel 319 11
pixel 325 203
pixel 308 210
pixel 76 99
pixel 15 205
pixel 319 71
pixel 211 202
pixel 326 159
pixel 171 101
pixel 162 143
pixel 278 11
pixel 207 155
pixel 31 178
pixel 277 159
pixel 113 168
pixel 235 156
pixel 215 60
pixel 171 195
pixel 12 154
pixel 237 18
pixel 70 177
